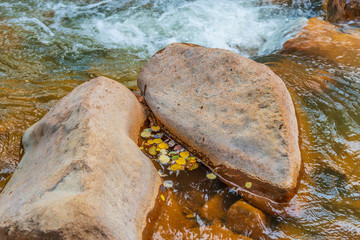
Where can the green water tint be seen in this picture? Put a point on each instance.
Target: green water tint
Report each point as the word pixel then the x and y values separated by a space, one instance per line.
pixel 38 68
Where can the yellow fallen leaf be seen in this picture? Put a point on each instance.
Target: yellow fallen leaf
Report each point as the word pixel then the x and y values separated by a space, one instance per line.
pixel 168 183
pixel 193 166
pixel 181 161
pixel 164 159
pixel 152 150
pixel 157 140
pixel 150 141
pixel 162 197
pixel 141 148
pixel 184 154
pixel 158 149
pixel 190 216
pixel 163 151
pixel 248 184
pixel 155 128
pixel 211 176
pixel 175 167
pixel 145 134
pixel 163 146
pixel 193 160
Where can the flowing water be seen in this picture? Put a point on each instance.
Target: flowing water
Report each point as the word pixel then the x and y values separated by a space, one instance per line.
pixel 49 47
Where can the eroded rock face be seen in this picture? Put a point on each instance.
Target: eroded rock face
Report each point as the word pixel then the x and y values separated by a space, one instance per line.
pixel 323 39
pixel 342 10
pixel 82 175
pixel 235 113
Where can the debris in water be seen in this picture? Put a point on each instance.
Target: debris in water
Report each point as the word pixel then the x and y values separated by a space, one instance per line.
pixel 211 176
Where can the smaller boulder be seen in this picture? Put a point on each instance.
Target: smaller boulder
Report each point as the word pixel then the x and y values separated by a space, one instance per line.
pixel 213 209
pixel 322 39
pixel 245 219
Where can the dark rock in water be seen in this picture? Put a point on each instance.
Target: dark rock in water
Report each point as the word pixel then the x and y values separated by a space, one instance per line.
pixel 245 219
pixel 82 175
pixel 235 113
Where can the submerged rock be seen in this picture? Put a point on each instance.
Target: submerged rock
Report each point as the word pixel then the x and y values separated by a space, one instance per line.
pixel 233 112
pixel 323 39
pixel 214 208
pixel 245 219
pixel 82 175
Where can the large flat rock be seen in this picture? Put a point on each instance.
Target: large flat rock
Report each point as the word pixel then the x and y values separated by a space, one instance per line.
pixel 232 111
pixel 82 175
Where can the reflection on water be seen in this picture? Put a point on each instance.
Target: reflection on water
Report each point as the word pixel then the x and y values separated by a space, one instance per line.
pixel 49 47
pixel 327 98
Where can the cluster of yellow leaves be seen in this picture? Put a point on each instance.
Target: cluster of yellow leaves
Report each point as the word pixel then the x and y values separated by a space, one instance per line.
pixel 164 151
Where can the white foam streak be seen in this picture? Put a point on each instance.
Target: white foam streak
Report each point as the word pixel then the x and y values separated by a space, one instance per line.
pixel 146 26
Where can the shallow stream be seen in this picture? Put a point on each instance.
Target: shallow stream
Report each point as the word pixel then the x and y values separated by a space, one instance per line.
pixel 49 47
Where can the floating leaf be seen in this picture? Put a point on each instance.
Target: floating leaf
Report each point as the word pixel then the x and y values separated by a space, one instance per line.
pixel 152 150
pixel 157 141
pixel 181 161
pixel 174 157
pixel 162 174
pixel 163 146
pixel 172 143
pixel 158 149
pixel 159 135
pixel 187 211
pixel 184 154
pixel 162 197
pixel 164 159
pixel 193 166
pixel 211 176
pixel 175 167
pixel 145 134
pixel 150 141
pixel 141 148
pixel 163 151
pixel 155 128
pixel 248 184
pixel 190 216
pixel 172 153
pixel 168 184
pixel 177 147
pixel 192 160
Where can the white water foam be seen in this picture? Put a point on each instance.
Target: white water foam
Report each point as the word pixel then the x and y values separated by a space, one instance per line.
pixel 146 26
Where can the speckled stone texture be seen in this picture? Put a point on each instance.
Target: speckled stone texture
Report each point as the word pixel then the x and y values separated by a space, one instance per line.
pixel 234 112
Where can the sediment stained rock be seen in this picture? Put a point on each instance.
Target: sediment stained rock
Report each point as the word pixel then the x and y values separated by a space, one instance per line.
pixel 342 10
pixel 322 39
pixel 235 113
pixel 82 175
